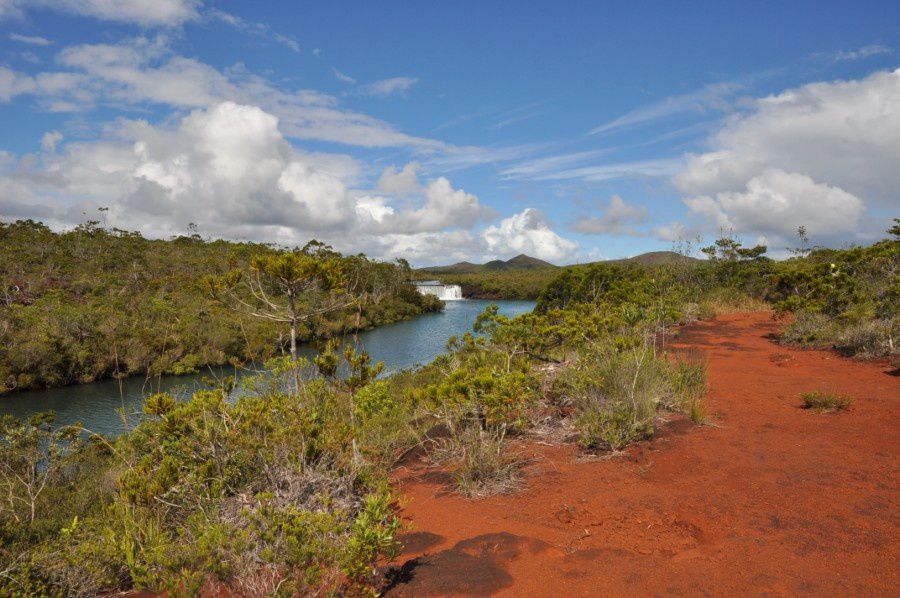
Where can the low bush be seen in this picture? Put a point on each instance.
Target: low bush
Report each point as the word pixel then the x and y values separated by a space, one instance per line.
pixel 481 465
pixel 616 394
pixel 825 401
pixel 811 329
pixel 869 339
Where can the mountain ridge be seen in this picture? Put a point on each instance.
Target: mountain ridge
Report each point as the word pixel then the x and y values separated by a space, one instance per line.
pixel 526 262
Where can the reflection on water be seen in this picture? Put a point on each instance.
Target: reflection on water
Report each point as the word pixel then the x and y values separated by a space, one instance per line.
pixel 111 406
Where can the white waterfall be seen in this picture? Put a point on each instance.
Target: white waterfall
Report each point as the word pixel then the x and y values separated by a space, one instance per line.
pixel 445 292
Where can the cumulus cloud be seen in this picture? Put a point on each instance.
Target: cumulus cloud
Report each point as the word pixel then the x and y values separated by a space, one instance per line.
pixel 440 207
pixel 227 166
pixel 618 219
pixel 777 202
pixel 230 169
pixel 812 156
pixel 402 182
pixel 527 232
pixel 388 87
pixel 445 207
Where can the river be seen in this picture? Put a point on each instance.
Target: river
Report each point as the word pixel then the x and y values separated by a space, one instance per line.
pixel 99 405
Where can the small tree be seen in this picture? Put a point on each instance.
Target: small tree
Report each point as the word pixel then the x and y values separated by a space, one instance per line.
pixel 288 288
pixel 360 373
pixel 30 457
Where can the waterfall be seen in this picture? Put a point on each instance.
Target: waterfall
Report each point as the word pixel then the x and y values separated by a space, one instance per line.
pixel 445 292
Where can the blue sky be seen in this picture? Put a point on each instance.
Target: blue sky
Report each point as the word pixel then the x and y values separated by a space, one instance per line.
pixel 464 130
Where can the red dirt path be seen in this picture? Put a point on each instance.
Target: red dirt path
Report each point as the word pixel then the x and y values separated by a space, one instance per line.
pixel 771 500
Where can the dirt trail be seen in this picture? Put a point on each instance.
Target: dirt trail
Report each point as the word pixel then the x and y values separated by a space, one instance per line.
pixel 772 500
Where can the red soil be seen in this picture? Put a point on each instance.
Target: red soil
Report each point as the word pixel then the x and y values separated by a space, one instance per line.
pixel 769 500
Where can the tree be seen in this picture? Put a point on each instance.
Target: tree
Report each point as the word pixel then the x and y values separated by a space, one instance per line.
pixel 288 288
pixel 894 231
pixel 30 456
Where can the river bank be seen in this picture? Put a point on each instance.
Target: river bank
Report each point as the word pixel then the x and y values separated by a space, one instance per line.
pixel 100 406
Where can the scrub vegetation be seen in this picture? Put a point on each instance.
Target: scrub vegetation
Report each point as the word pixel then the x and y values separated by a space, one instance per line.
pixel 285 489
pixel 94 303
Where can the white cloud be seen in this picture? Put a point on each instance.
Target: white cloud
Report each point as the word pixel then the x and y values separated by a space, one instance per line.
pixel 146 13
pixel 775 203
pixel 50 139
pixel 460 157
pixel 428 248
pixel 32 40
pixel 342 77
pixel 811 156
pixel 10 9
pixel 864 52
pixel 618 219
pixel 13 84
pixel 230 169
pixel 714 97
pixel 674 231
pixel 549 165
pixel 143 71
pixel 400 183
pixel 388 87
pixel 527 232
pixel 621 170
pixel 444 208
pixel 253 28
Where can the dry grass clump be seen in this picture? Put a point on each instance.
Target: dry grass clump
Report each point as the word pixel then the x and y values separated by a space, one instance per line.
pixel 869 339
pixel 483 467
pixel 825 401
pixel 727 301
pixel 864 339
pixel 479 461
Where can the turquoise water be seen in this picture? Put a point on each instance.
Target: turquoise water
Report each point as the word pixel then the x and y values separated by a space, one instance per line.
pixel 110 406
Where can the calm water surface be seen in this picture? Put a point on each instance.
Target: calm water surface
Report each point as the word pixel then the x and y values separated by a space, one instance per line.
pixel 100 405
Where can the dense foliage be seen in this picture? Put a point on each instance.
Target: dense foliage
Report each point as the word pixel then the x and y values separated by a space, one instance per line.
pixel 93 303
pixel 848 299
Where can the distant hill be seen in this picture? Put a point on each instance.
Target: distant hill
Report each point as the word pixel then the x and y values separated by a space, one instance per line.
pixel 656 258
pixel 524 277
pixel 526 262
pixel 520 262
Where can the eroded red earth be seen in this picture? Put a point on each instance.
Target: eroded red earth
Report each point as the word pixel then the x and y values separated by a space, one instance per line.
pixel 770 499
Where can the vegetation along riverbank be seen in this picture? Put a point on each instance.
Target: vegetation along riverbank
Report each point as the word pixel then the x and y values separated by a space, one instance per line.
pixel 95 303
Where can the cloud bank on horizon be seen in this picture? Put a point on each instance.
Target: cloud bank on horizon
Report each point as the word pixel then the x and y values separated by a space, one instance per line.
pixel 164 133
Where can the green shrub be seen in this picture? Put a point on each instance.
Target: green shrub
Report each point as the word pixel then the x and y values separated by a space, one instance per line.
pixel 825 401
pixel 617 394
pixel 612 426
pixel 809 328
